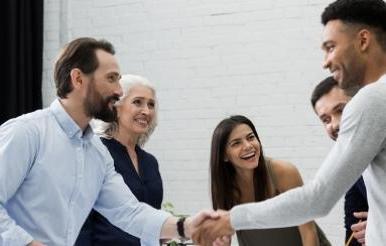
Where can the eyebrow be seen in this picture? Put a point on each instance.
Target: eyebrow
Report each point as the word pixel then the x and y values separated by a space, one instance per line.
pixel 238 139
pixel 139 97
pixel 339 105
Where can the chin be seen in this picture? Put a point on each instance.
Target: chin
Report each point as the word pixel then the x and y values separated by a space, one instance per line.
pixel 140 131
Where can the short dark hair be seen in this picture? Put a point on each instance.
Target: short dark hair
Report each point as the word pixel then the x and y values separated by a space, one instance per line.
pixel 323 88
pixel 371 13
pixel 79 53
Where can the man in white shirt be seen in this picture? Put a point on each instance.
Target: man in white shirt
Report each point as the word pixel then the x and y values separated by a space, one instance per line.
pixel 354 41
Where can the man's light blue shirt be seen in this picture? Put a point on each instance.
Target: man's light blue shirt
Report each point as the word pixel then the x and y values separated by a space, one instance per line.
pixel 52 174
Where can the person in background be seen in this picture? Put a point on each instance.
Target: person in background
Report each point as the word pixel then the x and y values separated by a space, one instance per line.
pixel 124 138
pixel 240 173
pixel 328 102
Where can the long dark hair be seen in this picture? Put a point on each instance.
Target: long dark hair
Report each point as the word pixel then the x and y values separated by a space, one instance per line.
pixel 225 191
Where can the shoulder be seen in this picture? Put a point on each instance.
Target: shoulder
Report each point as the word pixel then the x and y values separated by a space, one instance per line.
pixel 287 175
pixel 370 98
pixel 361 115
pixel 27 125
pixel 283 168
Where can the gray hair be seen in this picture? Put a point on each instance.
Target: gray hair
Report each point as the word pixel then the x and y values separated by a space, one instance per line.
pixel 128 81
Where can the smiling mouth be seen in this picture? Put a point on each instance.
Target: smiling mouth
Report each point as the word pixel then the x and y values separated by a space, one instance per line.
pixel 248 156
pixel 142 122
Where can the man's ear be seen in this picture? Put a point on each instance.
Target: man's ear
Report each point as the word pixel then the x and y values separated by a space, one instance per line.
pixel 77 78
pixel 365 38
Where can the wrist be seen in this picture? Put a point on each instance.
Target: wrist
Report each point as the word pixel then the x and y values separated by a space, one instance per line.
pixel 183 228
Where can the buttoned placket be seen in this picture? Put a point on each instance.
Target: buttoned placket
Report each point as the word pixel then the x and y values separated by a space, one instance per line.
pixel 78 175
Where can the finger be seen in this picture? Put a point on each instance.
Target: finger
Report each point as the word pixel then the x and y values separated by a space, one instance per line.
pixel 226 239
pixel 218 242
pixel 359 235
pixel 360 226
pixel 222 241
pixel 360 215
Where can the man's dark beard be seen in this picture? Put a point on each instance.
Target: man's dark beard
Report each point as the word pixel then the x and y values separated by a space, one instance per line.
pixel 105 113
pixel 98 107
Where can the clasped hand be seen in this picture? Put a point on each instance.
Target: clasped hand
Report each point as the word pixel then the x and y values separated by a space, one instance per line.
pixel 212 228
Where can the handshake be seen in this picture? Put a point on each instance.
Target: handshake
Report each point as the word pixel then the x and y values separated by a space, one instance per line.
pixel 209 228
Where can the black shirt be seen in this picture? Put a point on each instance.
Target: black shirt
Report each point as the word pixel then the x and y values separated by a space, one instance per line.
pixel 355 201
pixel 146 185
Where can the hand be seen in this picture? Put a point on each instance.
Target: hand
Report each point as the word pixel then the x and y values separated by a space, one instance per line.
pixel 35 243
pixel 223 241
pixel 192 223
pixel 212 229
pixel 359 229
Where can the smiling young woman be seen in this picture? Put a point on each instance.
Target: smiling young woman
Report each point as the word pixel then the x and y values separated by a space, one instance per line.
pixel 240 173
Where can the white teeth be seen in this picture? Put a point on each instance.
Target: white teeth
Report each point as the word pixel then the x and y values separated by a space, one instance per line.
pixel 248 155
pixel 141 121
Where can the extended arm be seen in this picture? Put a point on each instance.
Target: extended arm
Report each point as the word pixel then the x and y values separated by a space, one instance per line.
pixel 361 138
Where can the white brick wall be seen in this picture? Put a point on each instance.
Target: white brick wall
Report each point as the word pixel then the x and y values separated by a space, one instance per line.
pixel 209 59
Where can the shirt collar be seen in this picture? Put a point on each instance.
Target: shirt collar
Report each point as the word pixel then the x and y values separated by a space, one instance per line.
pixel 68 125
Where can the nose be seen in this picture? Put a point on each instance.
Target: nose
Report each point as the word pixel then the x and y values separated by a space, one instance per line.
pixel 118 89
pixel 146 110
pixel 247 145
pixel 326 62
pixel 335 126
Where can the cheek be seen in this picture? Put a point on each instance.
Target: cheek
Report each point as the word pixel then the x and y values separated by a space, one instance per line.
pixel 152 114
pixel 122 119
pixel 125 115
pixel 256 145
pixel 231 155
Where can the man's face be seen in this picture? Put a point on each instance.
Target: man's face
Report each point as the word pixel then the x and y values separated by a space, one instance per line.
pixel 103 89
pixel 342 55
pixel 329 109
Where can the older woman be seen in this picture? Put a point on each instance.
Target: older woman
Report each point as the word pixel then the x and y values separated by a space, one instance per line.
pixel 124 138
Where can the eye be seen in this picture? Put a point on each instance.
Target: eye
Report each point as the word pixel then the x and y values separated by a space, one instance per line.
pixel 330 48
pixel 112 78
pixel 251 137
pixel 151 105
pixel 137 102
pixel 326 120
pixel 340 109
pixel 235 144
